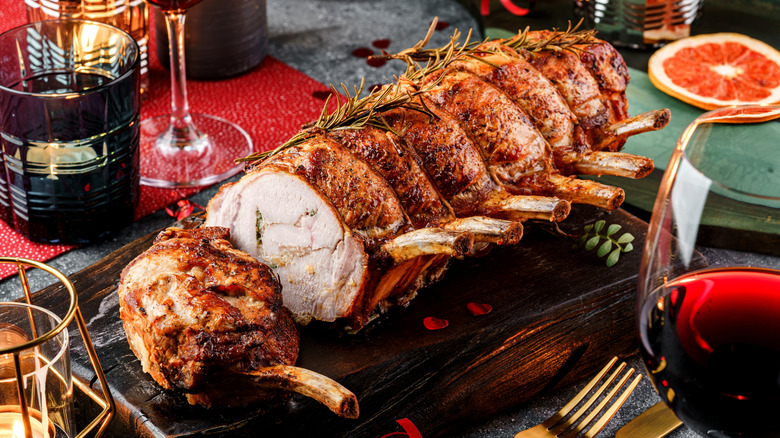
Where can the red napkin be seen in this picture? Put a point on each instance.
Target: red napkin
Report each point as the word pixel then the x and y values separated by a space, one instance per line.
pixel 270 102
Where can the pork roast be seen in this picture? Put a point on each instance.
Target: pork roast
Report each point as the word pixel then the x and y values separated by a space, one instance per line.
pixel 356 215
pixel 200 315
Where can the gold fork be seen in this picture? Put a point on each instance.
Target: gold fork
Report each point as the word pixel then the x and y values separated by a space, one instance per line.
pixel 556 426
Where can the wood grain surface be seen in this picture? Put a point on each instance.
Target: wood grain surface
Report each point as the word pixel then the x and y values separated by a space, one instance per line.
pixel 558 314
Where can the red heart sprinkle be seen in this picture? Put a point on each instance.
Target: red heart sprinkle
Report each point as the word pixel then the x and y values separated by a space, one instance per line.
pixel 362 52
pixel 321 94
pixel 376 62
pixel 381 44
pixel 478 309
pixel 433 323
pixel 441 25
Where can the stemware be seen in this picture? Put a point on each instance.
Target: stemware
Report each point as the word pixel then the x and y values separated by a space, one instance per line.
pixel 708 303
pixel 184 149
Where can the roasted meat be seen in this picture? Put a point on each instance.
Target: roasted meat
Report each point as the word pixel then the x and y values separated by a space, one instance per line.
pixel 388 156
pixel 334 231
pixel 508 70
pixel 457 167
pixel 356 216
pixel 515 152
pixel 533 93
pixel 572 86
pixel 207 320
pixel 594 85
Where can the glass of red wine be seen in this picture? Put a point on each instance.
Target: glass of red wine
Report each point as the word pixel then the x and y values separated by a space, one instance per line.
pixel 183 149
pixel 708 300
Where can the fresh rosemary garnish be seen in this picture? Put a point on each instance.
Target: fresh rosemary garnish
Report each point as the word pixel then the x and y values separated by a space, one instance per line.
pixel 357 112
pixel 354 113
pixel 435 59
pixel 557 40
pixel 593 237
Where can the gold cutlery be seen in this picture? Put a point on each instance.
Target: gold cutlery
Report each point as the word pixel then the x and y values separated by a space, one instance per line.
pixel 656 422
pixel 556 427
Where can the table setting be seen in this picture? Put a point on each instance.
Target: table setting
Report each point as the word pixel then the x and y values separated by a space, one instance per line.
pixel 450 304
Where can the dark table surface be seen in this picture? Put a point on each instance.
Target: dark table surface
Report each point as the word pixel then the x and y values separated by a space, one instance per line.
pixel 317 37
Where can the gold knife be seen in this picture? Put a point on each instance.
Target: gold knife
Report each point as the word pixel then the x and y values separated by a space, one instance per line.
pixel 656 422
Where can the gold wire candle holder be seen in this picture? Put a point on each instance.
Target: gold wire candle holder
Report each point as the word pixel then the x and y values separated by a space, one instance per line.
pixel 36 385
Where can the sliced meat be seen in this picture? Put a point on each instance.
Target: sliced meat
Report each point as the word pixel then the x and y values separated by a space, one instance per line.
pixel 207 320
pixel 385 153
pixel 458 170
pixel 279 218
pixel 328 224
pixel 513 149
pixel 506 69
pixel 577 86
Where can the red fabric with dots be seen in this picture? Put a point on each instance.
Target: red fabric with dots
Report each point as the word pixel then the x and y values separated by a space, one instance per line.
pixel 270 102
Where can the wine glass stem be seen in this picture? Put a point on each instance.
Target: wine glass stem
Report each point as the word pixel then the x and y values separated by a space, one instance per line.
pixel 182 132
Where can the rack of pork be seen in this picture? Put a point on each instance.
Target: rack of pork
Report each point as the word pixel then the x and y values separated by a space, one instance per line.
pixel 354 221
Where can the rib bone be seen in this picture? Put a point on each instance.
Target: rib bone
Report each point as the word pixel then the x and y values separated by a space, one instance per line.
pixel 614 163
pixel 428 241
pixel 645 122
pixel 588 192
pixel 306 382
pixel 529 207
pixel 487 229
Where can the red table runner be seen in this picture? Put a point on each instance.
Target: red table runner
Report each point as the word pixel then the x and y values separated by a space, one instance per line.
pixel 270 102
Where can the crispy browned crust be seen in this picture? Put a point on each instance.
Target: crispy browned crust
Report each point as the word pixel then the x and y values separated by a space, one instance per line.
pixel 199 313
pixel 386 155
pixel 364 200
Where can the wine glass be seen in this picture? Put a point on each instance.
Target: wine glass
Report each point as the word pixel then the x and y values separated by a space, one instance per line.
pixel 184 149
pixel 708 297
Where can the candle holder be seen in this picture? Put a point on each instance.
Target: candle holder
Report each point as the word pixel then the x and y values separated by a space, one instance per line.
pixel 36 385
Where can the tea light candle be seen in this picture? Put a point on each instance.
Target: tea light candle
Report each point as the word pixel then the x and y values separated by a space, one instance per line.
pixel 11 421
pixel 11 425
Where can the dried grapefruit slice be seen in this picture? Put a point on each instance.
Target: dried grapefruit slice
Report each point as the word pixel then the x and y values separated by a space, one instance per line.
pixel 715 70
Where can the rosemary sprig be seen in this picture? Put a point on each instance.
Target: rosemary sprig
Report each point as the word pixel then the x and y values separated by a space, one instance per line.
pixel 354 113
pixel 557 40
pixel 592 238
pixel 358 112
pixel 439 57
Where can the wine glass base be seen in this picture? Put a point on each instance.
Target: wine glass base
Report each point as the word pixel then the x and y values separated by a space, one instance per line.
pixel 210 161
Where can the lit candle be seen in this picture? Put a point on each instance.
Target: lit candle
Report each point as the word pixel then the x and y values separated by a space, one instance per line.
pixel 11 421
pixel 11 425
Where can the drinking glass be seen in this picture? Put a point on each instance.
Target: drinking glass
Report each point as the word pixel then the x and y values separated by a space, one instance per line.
pixel 708 300
pixel 639 24
pixel 44 371
pixel 184 149
pixel 129 15
pixel 69 112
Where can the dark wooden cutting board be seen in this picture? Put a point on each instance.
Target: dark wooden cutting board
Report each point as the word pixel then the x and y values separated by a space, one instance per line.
pixel 558 315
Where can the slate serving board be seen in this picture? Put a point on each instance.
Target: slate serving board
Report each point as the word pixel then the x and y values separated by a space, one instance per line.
pixel 558 315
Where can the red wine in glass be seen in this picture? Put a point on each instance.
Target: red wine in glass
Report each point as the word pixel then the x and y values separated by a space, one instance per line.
pixel 711 342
